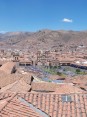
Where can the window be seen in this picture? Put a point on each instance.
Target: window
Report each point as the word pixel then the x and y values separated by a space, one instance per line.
pixel 66 98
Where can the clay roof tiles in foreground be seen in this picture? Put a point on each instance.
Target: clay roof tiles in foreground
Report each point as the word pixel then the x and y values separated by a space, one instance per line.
pixel 54 106
pixel 46 105
pixel 13 107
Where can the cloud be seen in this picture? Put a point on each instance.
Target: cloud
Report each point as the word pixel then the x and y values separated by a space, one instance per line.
pixel 67 20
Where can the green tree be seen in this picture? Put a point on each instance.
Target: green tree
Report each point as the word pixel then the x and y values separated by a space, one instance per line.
pixel 78 71
pixel 58 73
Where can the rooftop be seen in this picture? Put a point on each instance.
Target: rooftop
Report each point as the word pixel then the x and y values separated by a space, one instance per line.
pixel 43 105
pixel 8 67
pixel 56 88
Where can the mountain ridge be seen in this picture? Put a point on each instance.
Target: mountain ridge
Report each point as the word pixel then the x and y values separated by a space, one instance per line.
pixel 44 39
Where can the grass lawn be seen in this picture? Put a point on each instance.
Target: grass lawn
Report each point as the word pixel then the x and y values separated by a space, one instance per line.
pixel 53 71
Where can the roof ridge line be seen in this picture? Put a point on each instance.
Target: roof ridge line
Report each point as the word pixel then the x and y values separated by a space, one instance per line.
pixel 51 93
pixel 8 100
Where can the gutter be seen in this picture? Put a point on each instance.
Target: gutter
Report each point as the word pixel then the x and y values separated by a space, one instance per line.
pixel 43 114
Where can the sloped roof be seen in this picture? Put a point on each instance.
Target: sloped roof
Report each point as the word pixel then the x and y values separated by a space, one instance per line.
pixel 43 86
pixel 50 104
pixel 53 105
pixel 28 78
pixel 8 67
pixel 6 79
pixel 80 79
pixel 15 108
pixel 58 88
pixel 68 89
pixel 20 86
pixel 83 86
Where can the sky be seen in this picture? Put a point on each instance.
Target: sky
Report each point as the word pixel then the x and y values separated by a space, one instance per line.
pixel 34 15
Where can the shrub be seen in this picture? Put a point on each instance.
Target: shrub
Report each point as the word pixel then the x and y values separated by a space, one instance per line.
pixel 58 73
pixel 78 71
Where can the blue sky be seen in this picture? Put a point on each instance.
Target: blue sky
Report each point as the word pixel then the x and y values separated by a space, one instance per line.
pixel 33 15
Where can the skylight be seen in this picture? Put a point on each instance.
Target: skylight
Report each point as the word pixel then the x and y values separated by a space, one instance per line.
pixel 66 98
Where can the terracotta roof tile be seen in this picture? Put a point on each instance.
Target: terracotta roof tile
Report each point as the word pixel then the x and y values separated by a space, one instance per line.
pixel 83 86
pixel 42 86
pixel 15 82
pixel 68 89
pixel 18 86
pixel 6 79
pixel 51 104
pixel 58 88
pixel 80 79
pixel 15 108
pixel 8 67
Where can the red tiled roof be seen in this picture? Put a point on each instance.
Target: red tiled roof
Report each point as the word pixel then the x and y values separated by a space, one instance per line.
pixel 15 108
pixel 6 79
pixel 83 86
pixel 8 67
pixel 68 89
pixel 6 95
pixel 4 98
pixel 50 104
pixel 18 86
pixel 53 105
pixel 58 88
pixel 80 79
pixel 43 86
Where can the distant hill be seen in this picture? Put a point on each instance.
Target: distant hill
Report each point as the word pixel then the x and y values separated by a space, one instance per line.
pixel 43 39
